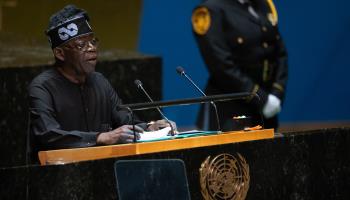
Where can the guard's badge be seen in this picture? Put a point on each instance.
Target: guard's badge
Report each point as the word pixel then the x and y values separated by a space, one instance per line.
pixel 201 20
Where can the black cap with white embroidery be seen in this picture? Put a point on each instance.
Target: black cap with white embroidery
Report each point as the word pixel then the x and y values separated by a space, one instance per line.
pixel 66 24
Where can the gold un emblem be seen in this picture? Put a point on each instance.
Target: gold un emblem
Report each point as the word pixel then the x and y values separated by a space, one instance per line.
pixel 225 177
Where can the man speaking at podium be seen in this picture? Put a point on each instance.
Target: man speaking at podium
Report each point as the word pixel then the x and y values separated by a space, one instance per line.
pixel 71 105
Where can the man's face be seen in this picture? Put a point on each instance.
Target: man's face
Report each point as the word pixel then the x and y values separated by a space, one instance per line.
pixel 81 54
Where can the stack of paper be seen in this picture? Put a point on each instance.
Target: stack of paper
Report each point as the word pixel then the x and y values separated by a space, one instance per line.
pixel 155 135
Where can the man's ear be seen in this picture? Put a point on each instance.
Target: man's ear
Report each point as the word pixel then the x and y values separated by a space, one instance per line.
pixel 59 53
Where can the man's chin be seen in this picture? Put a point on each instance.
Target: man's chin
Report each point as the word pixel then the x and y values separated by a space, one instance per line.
pixel 89 68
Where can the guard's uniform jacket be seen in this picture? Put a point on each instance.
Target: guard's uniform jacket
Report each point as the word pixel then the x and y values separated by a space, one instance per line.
pixel 244 52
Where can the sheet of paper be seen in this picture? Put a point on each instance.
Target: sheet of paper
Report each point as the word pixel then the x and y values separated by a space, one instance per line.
pixel 189 132
pixel 154 135
pixel 163 134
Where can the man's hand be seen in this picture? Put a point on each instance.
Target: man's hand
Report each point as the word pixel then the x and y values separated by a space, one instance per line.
pixel 272 106
pixel 123 134
pixel 159 124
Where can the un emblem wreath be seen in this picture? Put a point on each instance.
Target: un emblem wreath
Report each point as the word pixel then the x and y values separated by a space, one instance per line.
pixel 224 177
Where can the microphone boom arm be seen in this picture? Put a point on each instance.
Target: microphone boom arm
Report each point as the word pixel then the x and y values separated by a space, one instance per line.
pixel 181 71
pixel 188 101
pixel 139 85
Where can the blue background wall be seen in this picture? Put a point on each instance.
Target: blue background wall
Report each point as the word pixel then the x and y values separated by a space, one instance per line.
pixel 316 35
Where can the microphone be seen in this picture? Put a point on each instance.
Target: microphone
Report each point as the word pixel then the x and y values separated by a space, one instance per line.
pixel 182 72
pixel 138 84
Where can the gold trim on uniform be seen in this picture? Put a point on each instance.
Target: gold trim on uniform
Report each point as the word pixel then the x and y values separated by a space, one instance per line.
pixel 254 91
pixel 278 37
pixel 240 40
pixel 278 86
pixel 264 29
pixel 266 70
pixel 273 16
pixel 265 45
pixel 224 177
pixel 201 20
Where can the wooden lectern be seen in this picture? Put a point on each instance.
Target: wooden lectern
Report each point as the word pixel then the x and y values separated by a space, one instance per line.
pixel 64 156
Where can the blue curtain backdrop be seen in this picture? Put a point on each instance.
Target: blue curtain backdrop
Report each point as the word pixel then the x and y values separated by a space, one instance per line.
pixel 316 34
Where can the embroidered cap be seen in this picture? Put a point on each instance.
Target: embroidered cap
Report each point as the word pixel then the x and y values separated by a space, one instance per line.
pixel 66 24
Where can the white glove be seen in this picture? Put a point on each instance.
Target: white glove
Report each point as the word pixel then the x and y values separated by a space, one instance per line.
pixel 272 106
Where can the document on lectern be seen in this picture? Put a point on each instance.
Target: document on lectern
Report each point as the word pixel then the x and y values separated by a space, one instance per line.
pixel 164 134
pixel 155 135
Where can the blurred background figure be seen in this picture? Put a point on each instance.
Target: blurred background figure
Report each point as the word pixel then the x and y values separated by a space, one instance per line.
pixel 244 52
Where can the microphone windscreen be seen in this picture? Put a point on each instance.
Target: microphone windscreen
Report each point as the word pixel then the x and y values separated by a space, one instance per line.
pixel 180 70
pixel 138 83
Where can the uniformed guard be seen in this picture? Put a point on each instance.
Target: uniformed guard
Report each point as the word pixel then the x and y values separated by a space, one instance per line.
pixel 243 51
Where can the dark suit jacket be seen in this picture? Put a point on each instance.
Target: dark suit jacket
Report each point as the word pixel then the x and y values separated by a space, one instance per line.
pixel 67 115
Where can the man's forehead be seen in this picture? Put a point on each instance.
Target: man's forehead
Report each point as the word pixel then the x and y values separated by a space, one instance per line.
pixel 81 38
pixel 84 37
